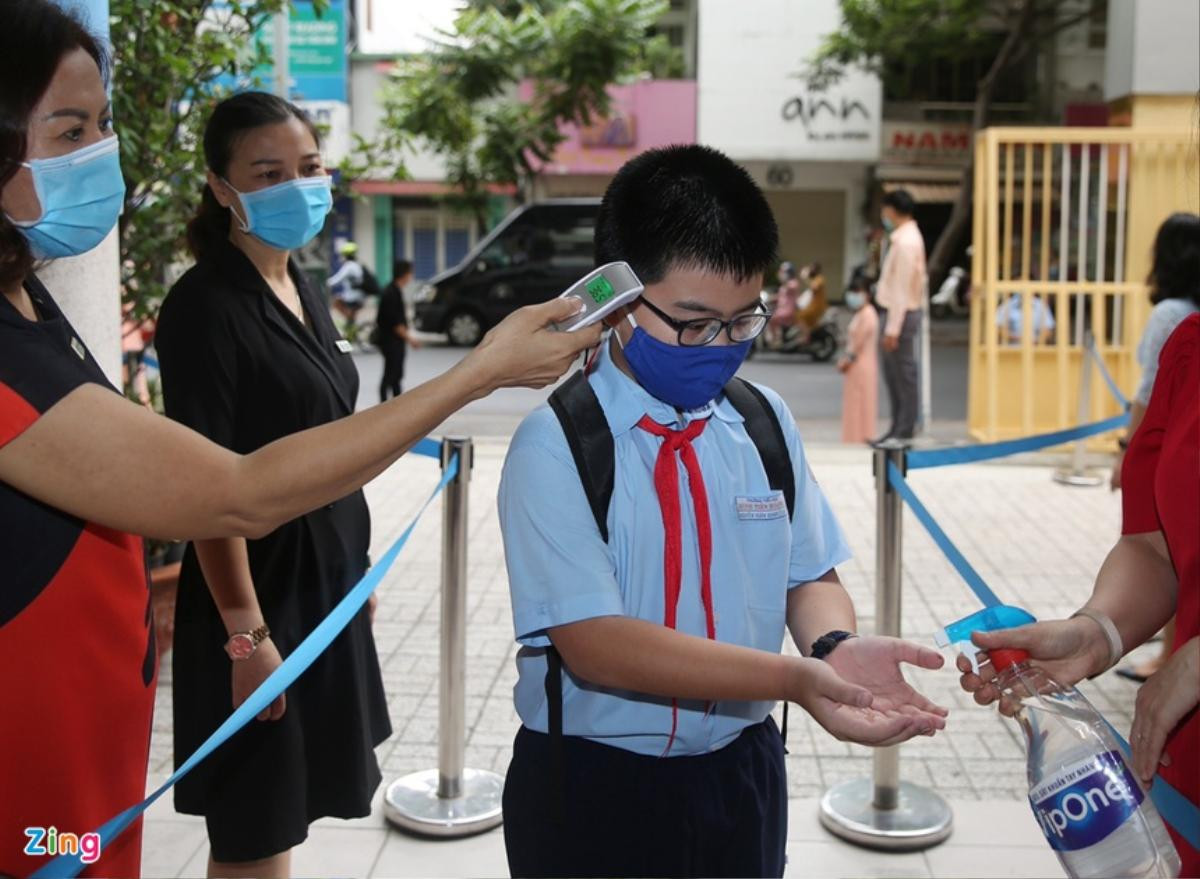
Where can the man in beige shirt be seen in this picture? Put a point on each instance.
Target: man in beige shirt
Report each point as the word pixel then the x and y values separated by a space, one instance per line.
pixel 898 296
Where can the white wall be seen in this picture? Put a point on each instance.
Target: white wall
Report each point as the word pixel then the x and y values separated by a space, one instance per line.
pixel 748 85
pixel 1152 48
pixel 366 83
pixel 88 290
pixel 396 27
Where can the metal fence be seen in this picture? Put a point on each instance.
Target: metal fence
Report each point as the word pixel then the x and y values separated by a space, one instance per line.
pixel 1064 223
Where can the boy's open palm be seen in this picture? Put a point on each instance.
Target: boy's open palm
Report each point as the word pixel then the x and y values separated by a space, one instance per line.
pixel 897 712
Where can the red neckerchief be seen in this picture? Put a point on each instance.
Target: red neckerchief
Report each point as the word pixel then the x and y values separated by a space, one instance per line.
pixel 666 484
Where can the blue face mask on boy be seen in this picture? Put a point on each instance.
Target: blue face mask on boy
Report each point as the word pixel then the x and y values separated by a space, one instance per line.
pixel 81 195
pixel 287 215
pixel 681 376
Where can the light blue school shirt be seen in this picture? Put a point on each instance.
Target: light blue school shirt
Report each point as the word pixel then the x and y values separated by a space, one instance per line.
pixel 1011 314
pixel 561 571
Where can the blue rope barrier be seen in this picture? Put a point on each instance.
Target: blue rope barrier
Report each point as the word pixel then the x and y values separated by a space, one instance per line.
pixel 1176 809
pixel 921 459
pixel 957 559
pixel 69 866
pixel 1108 379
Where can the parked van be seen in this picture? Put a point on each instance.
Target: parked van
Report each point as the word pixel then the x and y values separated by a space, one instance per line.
pixel 534 254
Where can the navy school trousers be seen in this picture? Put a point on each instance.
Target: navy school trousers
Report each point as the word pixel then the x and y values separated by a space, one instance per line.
pixel 621 814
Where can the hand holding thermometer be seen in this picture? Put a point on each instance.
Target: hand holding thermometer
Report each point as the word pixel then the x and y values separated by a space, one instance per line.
pixel 602 291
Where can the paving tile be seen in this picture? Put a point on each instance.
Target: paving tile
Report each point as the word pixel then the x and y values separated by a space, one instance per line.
pixel 836 859
pixel 477 856
pixel 996 860
pixel 338 851
pixel 169 846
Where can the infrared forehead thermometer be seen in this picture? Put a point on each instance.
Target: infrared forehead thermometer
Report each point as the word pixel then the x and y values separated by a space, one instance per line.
pixel 607 288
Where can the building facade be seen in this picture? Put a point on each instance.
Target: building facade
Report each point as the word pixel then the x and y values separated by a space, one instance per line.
pixel 812 152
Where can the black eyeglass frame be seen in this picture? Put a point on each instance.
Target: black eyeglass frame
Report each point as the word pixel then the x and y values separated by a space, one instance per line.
pixel 679 326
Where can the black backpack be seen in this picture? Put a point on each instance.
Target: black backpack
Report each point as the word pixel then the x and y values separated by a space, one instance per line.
pixel 369 284
pixel 590 440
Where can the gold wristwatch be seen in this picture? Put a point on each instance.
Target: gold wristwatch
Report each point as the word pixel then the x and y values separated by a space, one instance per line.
pixel 241 645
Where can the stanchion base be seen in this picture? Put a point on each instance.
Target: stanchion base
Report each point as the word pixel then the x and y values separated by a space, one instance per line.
pixel 412 803
pixel 921 820
pixel 1087 479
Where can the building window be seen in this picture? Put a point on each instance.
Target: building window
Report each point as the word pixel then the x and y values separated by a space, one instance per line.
pixel 433 238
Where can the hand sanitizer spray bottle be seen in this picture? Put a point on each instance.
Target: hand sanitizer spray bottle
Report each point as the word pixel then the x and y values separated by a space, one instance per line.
pixel 1090 807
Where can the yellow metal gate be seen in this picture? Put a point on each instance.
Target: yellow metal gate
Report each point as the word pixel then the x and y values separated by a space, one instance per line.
pixel 1064 223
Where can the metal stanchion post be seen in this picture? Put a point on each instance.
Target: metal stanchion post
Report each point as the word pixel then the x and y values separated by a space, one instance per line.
pixel 1079 474
pixel 452 800
pixel 884 812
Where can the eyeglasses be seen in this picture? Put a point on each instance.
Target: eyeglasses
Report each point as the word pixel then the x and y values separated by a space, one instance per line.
pixel 703 330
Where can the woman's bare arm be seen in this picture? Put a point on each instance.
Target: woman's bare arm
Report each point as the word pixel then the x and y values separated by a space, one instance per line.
pixel 99 457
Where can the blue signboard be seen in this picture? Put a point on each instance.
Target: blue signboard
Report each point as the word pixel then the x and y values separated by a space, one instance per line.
pixel 317 60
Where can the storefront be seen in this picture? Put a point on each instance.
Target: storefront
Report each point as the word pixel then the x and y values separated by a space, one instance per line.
pixel 643 115
pixel 811 151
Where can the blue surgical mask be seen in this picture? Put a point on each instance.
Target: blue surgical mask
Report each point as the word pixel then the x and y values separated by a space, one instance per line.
pixel 287 215
pixel 681 376
pixel 888 225
pixel 81 195
pixel 856 300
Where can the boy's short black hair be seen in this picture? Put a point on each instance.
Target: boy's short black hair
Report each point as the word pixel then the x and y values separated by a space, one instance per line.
pixel 686 207
pixel 401 267
pixel 901 201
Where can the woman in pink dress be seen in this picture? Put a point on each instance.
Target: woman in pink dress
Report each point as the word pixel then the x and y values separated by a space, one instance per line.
pixel 861 370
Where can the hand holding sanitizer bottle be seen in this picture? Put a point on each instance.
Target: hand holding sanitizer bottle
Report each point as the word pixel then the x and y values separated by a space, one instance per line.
pixel 1093 812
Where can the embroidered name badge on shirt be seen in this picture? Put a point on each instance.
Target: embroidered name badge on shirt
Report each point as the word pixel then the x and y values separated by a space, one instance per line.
pixel 762 507
pixel 344 346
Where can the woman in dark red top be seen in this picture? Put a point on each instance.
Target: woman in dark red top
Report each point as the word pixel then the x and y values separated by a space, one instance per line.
pixel 83 470
pixel 1152 573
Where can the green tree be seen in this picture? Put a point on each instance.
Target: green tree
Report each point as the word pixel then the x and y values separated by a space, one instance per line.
pixel 170 56
pixel 876 34
pixel 461 98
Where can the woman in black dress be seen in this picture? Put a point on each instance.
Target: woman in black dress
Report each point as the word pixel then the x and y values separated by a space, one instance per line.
pixel 250 354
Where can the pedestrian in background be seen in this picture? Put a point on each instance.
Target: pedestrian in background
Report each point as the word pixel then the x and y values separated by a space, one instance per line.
pixel 392 333
pixel 814 303
pixel 860 367
pixel 899 297
pixel 1175 292
pixel 351 284
pixel 133 354
pixel 783 315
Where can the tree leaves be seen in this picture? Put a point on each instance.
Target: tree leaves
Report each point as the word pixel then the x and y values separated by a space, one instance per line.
pixel 169 54
pixel 463 98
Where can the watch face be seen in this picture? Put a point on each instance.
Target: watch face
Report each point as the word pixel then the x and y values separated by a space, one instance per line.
pixel 240 646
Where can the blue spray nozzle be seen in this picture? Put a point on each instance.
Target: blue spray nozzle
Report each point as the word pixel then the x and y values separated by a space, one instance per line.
pixel 958 634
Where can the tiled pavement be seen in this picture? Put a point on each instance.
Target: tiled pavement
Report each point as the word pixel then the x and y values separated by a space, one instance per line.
pixel 1038 544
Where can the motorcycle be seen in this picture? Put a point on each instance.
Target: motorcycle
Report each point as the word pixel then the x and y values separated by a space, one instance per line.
pixel 952 297
pixel 822 343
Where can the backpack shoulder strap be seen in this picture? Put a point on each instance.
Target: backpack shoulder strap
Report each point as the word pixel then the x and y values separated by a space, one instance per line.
pixel 762 424
pixel 766 433
pixel 591 443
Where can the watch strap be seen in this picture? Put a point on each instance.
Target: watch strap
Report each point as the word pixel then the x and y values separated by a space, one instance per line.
pixel 824 645
pixel 256 636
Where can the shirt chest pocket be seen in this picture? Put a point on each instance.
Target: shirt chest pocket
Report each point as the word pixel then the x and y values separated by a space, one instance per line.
pixel 763 542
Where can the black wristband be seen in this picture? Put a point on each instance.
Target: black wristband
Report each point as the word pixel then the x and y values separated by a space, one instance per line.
pixel 824 645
